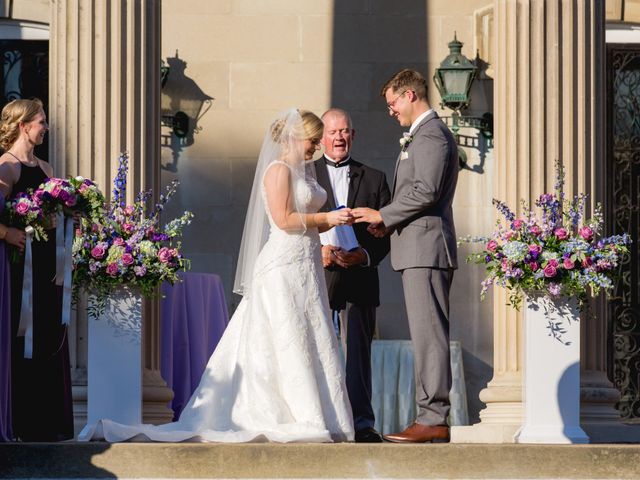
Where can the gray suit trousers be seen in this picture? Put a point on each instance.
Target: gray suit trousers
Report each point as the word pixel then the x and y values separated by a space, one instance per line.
pixel 426 294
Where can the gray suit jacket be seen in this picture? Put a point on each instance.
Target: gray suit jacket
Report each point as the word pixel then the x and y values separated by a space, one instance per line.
pixel 420 211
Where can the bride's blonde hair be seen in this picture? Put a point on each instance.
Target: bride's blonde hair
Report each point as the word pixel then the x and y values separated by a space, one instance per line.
pixel 13 114
pixel 311 128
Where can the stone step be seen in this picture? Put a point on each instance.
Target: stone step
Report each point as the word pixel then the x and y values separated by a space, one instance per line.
pixel 321 461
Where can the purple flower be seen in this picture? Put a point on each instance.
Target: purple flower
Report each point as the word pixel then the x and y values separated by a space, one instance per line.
pixel 554 289
pixel 140 270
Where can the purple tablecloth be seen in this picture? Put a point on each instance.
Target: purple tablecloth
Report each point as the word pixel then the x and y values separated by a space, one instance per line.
pixel 193 317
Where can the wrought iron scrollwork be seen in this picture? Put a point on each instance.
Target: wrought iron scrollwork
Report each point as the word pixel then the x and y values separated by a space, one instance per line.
pixel 623 206
pixel 25 74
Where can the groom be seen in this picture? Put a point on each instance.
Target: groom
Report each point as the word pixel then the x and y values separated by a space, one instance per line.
pixel 423 245
pixel 352 277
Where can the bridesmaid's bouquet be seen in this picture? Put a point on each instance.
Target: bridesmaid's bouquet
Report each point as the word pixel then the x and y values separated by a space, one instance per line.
pixel 127 246
pixel 68 197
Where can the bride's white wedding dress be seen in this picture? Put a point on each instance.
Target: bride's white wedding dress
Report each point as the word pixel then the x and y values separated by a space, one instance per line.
pixel 276 374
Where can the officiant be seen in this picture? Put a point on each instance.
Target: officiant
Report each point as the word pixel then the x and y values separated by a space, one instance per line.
pixel 351 261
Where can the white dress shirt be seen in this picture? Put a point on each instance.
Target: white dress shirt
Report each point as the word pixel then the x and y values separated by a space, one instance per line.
pixel 417 121
pixel 339 179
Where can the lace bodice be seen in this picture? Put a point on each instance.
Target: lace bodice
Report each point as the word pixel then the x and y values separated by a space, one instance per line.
pixel 309 195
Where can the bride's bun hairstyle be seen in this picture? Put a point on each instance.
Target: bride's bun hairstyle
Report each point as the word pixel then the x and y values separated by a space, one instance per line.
pixel 13 114
pixel 311 128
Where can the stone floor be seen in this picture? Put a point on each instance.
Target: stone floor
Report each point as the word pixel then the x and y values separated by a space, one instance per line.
pixel 324 461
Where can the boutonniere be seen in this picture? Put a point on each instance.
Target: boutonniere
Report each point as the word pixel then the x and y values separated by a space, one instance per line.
pixel 405 140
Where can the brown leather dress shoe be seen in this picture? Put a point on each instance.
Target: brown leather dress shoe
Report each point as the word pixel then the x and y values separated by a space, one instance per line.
pixel 418 433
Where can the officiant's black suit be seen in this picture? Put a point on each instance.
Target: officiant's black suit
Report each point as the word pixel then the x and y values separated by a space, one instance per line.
pixel 357 289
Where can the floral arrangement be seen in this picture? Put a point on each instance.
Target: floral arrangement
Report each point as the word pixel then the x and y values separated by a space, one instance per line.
pixel 127 247
pixel 72 196
pixel 556 253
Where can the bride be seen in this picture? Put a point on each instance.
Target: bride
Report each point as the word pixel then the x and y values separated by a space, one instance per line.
pixel 276 374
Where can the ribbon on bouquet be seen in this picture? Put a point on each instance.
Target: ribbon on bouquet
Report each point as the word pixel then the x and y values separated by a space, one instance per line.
pixel 25 327
pixel 64 260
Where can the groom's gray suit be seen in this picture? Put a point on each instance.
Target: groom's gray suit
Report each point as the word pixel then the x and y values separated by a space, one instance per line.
pixel 423 248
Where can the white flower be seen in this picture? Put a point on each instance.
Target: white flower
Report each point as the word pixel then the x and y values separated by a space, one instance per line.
pixel 405 140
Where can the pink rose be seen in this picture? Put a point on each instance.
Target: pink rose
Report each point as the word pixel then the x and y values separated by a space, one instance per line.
pixel 492 245
pixel 586 233
pixel 98 251
pixel 568 264
pixel 165 255
pixel 535 230
pixel 517 224
pixel 550 271
pixel 55 191
pixel 112 269
pixel 118 241
pixel 553 262
pixel 128 210
pixel 22 208
pixel 534 266
pixel 587 262
pixel 561 233
pixel 533 248
pixel 127 258
pixel 509 235
pixel 128 227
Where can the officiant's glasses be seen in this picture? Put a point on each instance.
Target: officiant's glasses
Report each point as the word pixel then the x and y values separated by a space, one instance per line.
pixel 392 103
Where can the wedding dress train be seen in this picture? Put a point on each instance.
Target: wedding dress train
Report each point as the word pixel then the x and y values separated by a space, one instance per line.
pixel 276 374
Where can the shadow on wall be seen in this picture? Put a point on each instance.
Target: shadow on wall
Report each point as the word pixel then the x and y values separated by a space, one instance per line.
pixel 183 104
pixel 371 42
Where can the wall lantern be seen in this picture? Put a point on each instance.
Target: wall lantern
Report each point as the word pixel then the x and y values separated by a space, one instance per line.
pixel 182 100
pixel 453 79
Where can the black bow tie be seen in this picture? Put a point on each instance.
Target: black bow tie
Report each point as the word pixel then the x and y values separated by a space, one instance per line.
pixel 343 163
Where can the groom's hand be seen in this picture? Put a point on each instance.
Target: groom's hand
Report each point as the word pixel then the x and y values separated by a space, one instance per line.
pixel 366 215
pixel 378 230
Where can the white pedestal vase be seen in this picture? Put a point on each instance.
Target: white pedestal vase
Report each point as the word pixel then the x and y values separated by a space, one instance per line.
pixel 114 367
pixel 551 384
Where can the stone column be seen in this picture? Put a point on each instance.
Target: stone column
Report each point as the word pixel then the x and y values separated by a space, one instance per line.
pixel 104 99
pixel 549 106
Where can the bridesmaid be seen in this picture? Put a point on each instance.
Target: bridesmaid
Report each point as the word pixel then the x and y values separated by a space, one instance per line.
pixel 41 386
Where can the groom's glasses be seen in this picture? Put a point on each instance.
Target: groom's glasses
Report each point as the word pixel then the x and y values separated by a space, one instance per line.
pixel 392 103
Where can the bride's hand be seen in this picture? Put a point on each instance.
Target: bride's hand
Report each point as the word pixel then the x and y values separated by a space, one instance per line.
pixel 340 217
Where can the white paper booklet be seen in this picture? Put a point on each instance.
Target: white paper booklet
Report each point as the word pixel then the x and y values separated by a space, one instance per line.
pixel 341 236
